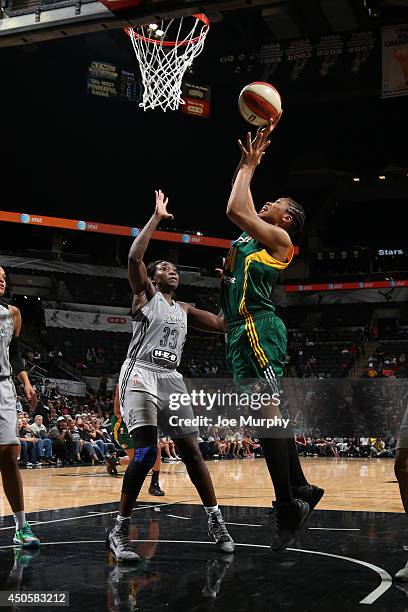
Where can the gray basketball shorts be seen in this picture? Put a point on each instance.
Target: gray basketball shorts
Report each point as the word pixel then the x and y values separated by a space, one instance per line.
pixel 8 413
pixel 156 398
pixel 403 432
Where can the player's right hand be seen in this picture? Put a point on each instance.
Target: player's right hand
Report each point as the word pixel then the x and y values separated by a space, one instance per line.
pixel 254 151
pixel 161 206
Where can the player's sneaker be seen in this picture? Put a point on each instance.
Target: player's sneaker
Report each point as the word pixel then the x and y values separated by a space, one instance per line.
pixel 155 489
pixel 118 543
pixel 308 493
pixel 289 517
pixel 402 574
pixel 111 463
pixel 25 537
pixel 218 531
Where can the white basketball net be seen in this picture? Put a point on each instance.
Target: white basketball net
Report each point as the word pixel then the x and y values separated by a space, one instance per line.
pixel 163 64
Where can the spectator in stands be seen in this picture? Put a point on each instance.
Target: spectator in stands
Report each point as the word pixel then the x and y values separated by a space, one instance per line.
pixel 353 447
pixel 53 416
pixel 90 357
pixel 43 411
pixel 378 448
pixel 372 372
pixel 44 444
pixel 73 430
pixel 28 451
pixel 55 353
pixel 92 451
pixel 331 447
pixel 94 438
pixel 19 405
pixel 192 369
pixel 221 445
pixel 62 442
pixel 207 446
pixel 108 445
pixel 237 438
pixel 248 445
pixel 167 445
pixel 387 369
pixel 301 444
pixel 364 447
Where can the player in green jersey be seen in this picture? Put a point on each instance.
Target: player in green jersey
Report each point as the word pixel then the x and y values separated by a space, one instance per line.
pixel 256 338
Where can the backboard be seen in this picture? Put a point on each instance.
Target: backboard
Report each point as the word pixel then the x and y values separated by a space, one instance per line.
pixel 30 21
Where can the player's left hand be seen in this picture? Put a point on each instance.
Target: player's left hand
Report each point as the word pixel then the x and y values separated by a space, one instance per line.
pixel 253 152
pixel 30 393
pixel 220 271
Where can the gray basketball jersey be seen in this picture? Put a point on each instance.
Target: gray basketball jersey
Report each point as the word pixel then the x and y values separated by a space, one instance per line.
pixel 6 334
pixel 159 333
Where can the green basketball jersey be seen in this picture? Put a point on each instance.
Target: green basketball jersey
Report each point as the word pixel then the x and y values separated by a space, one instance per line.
pixel 249 276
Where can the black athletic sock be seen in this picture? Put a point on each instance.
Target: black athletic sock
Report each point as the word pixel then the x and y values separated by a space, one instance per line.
pixel 276 453
pixel 297 476
pixel 155 477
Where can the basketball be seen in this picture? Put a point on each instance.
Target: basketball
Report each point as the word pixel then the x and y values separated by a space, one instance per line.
pixel 259 102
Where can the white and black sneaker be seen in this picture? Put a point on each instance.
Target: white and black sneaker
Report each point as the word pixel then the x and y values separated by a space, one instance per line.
pixel 218 531
pixel 118 543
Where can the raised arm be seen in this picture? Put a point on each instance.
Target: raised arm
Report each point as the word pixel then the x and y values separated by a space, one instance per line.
pixel 138 278
pixel 241 210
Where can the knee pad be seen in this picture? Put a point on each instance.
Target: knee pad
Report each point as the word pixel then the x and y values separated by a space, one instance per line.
pixel 137 470
pixel 146 456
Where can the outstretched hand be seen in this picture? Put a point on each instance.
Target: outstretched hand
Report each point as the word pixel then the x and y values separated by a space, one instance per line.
pixel 260 143
pixel 253 151
pixel 161 206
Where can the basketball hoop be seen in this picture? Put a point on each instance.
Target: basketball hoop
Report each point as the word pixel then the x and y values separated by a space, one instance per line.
pixel 163 62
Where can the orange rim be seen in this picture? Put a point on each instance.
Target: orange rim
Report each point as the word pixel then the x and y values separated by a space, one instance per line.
pixel 167 43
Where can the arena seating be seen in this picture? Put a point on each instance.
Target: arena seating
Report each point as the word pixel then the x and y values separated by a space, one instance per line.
pixel 75 343
pixel 333 359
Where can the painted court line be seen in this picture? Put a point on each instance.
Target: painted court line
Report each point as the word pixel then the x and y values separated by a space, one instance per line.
pixel 385 584
pixel 84 516
pixel 332 529
pixel 243 524
pixel 185 518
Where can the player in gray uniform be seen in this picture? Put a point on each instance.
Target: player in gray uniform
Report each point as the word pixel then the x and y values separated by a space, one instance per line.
pixel 147 378
pixel 12 363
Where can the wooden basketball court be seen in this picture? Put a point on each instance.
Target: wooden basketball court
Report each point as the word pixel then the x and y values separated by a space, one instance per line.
pixel 350 484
